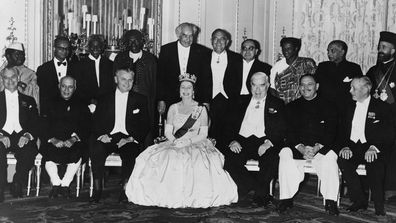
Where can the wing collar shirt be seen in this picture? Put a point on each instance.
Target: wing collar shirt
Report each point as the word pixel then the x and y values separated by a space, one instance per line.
pixel 218 65
pixel 60 69
pixel 121 100
pixel 97 61
pixel 246 69
pixel 253 122
pixel 359 121
pixel 183 53
pixel 12 120
pixel 135 56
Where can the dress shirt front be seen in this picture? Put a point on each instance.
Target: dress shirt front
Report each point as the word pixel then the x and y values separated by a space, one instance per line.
pixel 218 65
pixel 135 56
pixel 246 69
pixel 12 120
pixel 183 53
pixel 60 69
pixel 253 122
pixel 97 61
pixel 359 121
pixel 121 100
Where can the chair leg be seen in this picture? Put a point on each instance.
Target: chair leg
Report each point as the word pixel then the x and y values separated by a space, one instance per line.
pixel 91 181
pixel 78 175
pixel 38 180
pixel 82 175
pixel 29 183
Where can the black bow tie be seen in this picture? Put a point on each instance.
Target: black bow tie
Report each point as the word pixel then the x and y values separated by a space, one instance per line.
pixel 62 63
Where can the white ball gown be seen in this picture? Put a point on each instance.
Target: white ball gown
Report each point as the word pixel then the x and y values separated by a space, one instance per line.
pixel 189 176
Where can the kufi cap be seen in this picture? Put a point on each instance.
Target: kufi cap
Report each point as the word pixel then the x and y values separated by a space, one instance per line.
pixel 388 37
pixel 16 46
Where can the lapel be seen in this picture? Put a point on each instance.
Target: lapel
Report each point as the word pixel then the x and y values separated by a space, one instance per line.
pixel 52 70
pixel 176 53
pixel 191 56
pixel 371 108
pixel 91 67
pixel 266 106
pixel 21 108
pixel 3 109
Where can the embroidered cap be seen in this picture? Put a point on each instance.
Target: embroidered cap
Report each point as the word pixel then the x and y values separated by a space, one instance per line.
pixel 187 77
pixel 388 37
pixel 16 46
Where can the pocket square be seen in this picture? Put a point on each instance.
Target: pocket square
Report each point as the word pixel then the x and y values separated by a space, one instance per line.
pixel 272 111
pixel 376 121
pixel 136 111
pixel 347 79
pixel 322 122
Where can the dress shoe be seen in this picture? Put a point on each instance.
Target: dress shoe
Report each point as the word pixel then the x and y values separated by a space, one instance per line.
pixel 122 198
pixel 66 193
pixel 262 201
pixel 285 205
pixel 357 206
pixel 54 192
pixel 331 208
pixel 1 195
pixel 16 190
pixel 379 209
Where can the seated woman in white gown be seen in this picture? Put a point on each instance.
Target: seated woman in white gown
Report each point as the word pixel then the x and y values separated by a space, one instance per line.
pixel 186 170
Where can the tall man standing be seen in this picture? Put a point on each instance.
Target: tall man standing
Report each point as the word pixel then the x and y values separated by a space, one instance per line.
pixel 367 139
pixel 120 125
pixel 221 81
pixel 144 66
pixel 49 73
pixel 179 57
pixel 383 77
pixel 18 133
pixel 250 49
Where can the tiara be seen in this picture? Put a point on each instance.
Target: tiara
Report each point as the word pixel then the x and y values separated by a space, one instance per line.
pixel 188 77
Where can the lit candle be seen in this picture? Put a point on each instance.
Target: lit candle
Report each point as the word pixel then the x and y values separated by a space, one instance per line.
pixel 142 12
pixel 94 21
pixel 150 22
pixel 84 10
pixel 88 18
pixel 69 22
pixel 129 22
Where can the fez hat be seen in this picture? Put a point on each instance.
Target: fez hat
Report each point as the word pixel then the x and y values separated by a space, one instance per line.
pixel 16 46
pixel 388 37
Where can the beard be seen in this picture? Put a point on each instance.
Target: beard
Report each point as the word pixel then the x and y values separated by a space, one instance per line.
pixel 383 57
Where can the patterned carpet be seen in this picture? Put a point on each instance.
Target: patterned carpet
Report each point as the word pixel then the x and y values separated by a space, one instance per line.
pixel 308 208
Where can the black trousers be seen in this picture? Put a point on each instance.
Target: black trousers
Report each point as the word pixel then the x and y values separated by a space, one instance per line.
pixel 268 163
pixel 25 157
pixel 218 111
pixel 375 174
pixel 99 152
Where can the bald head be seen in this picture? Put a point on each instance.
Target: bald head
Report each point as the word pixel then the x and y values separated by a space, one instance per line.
pixel 67 87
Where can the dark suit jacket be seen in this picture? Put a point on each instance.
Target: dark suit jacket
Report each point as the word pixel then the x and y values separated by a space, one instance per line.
pixel 311 122
pixel 257 66
pixel 232 81
pixel 66 117
pixel 169 69
pixel 137 120
pixel 335 81
pixel 28 115
pixel 47 80
pixel 85 74
pixel 274 120
pixel 378 131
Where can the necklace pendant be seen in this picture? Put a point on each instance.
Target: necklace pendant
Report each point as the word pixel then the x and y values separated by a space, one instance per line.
pixel 383 95
pixel 376 95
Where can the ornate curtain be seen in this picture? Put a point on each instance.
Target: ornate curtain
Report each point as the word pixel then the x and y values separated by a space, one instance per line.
pixel 357 22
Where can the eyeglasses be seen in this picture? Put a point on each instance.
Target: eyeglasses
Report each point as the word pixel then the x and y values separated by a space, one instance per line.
pixel 250 48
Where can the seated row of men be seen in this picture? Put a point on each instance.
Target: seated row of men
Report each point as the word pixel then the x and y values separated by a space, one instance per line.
pixel 309 123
